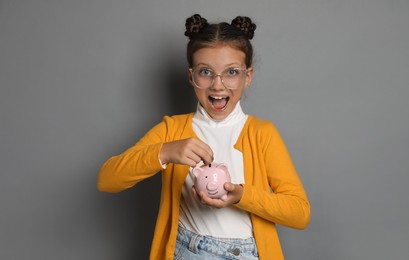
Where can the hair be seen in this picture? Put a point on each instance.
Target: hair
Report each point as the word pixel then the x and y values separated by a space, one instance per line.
pixel 237 34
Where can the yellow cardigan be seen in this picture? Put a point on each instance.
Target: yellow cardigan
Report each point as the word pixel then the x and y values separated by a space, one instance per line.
pixel 273 193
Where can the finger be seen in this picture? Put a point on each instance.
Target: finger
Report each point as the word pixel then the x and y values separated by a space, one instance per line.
pixel 204 151
pixel 217 203
pixel 193 159
pixel 194 191
pixel 203 197
pixel 198 196
pixel 205 156
pixel 191 163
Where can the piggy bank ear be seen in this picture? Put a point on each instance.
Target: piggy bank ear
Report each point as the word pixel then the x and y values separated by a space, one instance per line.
pixel 197 170
pixel 222 167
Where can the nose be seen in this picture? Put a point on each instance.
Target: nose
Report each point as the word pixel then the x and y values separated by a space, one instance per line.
pixel 217 82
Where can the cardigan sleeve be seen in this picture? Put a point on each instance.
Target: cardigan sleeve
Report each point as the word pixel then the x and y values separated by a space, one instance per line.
pixel 278 196
pixel 136 163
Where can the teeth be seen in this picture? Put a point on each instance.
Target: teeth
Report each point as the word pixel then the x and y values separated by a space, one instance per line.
pixel 217 97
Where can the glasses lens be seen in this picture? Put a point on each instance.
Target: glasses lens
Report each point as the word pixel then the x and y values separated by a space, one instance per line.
pixel 231 78
pixel 203 77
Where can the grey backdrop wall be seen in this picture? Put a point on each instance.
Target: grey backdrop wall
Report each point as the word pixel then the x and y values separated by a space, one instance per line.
pixel 83 80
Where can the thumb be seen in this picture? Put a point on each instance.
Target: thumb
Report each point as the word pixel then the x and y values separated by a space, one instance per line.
pixel 229 186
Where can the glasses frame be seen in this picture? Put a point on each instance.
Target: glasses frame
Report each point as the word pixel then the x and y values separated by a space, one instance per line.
pixel 192 70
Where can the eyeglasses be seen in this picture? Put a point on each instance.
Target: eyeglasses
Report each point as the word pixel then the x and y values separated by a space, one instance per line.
pixel 231 78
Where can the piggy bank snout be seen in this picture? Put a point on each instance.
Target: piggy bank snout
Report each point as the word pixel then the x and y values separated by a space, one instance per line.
pixel 212 186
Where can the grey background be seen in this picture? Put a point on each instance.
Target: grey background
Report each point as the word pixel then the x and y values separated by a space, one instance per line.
pixel 83 80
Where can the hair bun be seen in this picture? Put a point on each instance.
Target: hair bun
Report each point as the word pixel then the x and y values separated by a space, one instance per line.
pixel 245 24
pixel 194 24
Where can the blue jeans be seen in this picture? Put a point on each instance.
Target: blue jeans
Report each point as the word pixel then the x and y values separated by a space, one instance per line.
pixel 192 246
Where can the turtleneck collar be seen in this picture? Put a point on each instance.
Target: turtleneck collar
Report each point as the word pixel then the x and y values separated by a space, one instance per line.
pixel 202 117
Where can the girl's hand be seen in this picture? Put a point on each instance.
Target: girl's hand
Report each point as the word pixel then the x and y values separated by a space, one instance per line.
pixel 186 151
pixel 235 192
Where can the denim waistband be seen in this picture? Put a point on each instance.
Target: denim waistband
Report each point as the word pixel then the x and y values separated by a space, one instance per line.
pixel 230 248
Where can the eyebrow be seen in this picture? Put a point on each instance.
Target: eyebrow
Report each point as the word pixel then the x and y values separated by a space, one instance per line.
pixel 234 64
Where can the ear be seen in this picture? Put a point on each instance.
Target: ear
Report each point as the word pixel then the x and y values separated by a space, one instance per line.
pixel 197 170
pixel 249 77
pixel 222 166
pixel 189 75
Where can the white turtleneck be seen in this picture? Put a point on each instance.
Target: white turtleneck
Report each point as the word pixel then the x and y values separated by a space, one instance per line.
pixel 221 136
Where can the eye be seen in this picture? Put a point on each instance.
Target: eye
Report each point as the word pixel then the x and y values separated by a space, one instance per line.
pixel 232 72
pixel 205 72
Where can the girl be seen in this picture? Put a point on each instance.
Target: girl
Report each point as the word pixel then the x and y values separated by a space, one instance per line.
pixel 265 189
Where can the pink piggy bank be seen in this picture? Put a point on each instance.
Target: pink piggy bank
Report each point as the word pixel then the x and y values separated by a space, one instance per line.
pixel 211 178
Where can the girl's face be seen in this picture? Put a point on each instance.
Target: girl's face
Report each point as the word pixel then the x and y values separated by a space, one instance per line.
pixel 218 100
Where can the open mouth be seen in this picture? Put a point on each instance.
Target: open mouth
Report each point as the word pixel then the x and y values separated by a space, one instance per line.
pixel 219 103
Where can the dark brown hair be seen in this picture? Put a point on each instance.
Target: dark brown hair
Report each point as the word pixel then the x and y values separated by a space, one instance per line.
pixel 237 34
